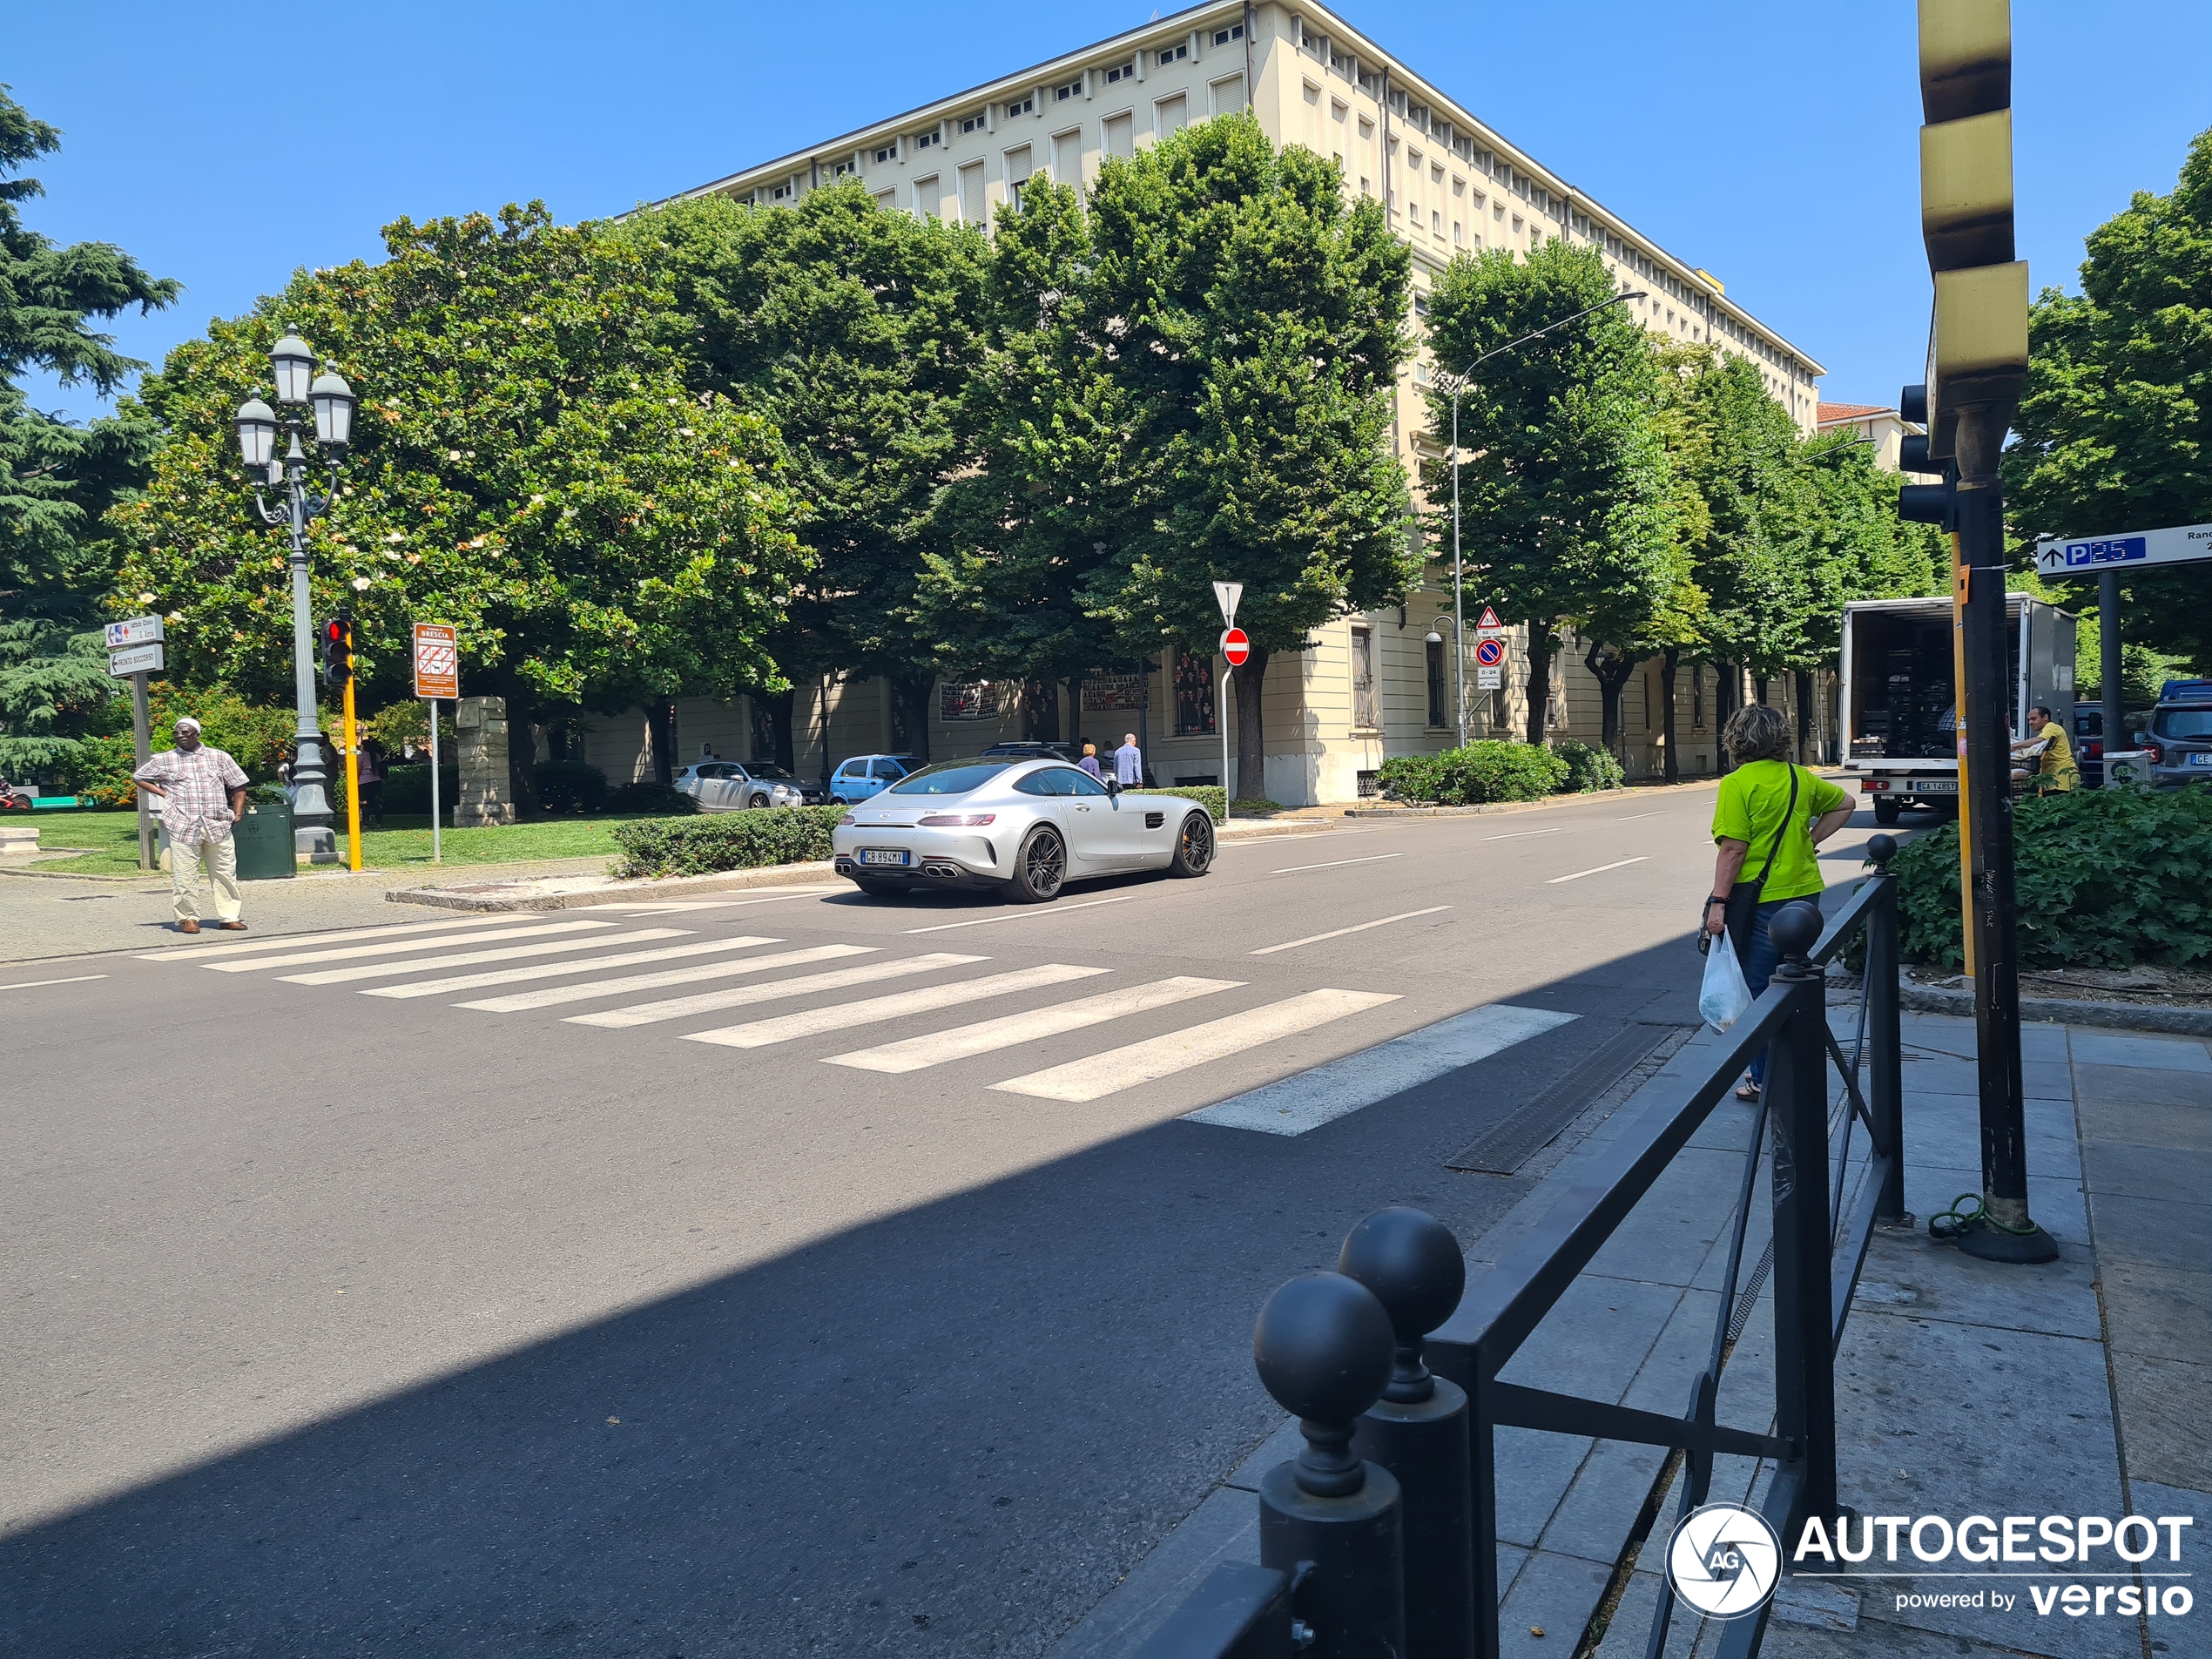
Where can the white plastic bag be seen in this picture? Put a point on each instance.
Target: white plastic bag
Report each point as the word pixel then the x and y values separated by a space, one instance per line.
pixel 1726 993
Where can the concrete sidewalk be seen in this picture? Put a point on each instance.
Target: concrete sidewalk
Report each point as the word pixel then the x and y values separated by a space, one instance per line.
pixel 2079 1387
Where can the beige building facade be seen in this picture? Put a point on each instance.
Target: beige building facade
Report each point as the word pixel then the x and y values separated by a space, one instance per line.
pixel 1374 684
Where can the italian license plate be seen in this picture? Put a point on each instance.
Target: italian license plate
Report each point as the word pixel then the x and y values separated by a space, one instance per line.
pixel 2200 759
pixel 1949 786
pixel 883 855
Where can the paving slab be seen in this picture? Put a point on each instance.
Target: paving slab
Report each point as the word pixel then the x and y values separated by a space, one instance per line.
pixel 2132 1048
pixel 2159 1312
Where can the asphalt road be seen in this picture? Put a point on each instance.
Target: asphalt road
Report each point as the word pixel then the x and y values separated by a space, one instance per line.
pixel 904 1315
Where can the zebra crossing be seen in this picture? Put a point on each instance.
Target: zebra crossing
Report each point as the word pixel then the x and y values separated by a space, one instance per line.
pixel 528 963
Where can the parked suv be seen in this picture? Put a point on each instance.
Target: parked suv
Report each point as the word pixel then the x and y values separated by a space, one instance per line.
pixel 865 776
pixel 2179 742
pixel 1033 749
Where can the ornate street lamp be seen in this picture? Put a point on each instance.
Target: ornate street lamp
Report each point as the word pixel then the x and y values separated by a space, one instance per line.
pixel 298 387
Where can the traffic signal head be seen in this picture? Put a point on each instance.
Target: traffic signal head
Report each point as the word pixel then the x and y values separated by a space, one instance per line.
pixel 337 651
pixel 1923 504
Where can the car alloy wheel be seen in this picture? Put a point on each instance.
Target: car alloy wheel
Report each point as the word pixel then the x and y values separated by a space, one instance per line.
pixel 1040 868
pixel 1194 845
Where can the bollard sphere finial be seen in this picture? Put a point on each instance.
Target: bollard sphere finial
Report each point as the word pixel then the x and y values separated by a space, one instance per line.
pixel 1323 1347
pixel 1795 930
pixel 1411 1263
pixel 1881 849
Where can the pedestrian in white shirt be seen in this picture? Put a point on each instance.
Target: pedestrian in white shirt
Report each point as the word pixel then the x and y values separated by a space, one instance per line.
pixel 1129 762
pixel 202 793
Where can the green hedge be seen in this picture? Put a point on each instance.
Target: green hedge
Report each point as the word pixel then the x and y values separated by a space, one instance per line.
pixel 1211 797
pixel 406 789
pixel 719 841
pixel 2104 878
pixel 1589 768
pixel 1481 771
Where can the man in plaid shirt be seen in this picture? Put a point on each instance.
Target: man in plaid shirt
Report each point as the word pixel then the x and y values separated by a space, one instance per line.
pixel 202 793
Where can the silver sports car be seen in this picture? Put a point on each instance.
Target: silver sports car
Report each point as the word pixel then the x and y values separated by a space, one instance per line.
pixel 1023 827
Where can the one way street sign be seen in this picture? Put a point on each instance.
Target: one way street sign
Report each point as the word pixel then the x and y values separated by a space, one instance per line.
pixel 2081 556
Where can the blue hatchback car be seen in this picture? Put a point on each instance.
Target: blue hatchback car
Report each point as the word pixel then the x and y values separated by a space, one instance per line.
pixel 866 775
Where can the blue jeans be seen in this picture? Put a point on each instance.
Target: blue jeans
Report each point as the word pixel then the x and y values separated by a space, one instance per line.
pixel 1760 958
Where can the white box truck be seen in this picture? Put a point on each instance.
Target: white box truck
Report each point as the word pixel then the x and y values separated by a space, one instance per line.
pixel 1899 693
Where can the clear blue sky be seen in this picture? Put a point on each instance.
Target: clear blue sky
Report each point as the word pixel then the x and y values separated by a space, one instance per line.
pixel 1772 144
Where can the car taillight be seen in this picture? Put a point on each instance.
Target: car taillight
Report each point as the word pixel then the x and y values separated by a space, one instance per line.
pixel 2152 753
pixel 958 820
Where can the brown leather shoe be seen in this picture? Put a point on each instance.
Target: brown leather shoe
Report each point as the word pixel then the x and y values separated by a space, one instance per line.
pixel 188 926
pixel 232 926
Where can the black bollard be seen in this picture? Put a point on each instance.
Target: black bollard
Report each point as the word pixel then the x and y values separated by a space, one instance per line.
pixel 1323 1347
pixel 1418 1430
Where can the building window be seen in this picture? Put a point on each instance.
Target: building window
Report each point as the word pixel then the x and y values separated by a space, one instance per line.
pixel 1421 307
pixel 1175 54
pixel 888 153
pixel 923 140
pixel 781 193
pixel 1458 237
pixel 1121 72
pixel 843 169
pixel 1193 693
pixel 1023 106
pixel 1436 223
pixel 1223 36
pixel 1367 709
pixel 1070 88
pixel 971 124
pixel 1697 697
pixel 1436 692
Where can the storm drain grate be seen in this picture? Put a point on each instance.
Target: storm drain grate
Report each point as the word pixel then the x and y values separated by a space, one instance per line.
pixel 1504 1146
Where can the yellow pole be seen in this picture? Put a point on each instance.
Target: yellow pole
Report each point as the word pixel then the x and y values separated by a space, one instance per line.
pixel 1959 577
pixel 353 767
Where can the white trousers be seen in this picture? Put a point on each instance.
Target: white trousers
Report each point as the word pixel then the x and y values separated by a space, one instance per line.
pixel 221 859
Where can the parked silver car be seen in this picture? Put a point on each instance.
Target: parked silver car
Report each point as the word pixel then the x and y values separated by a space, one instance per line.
pixel 731 787
pixel 1024 828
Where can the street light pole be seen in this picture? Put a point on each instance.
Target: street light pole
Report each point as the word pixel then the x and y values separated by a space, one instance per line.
pixel 1459 385
pixel 332 403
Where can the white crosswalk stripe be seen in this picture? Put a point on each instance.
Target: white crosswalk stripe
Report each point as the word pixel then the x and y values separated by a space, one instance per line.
pixel 677 1006
pixel 505 952
pixel 227 950
pixel 1156 1057
pixel 760 1033
pixel 553 970
pixel 553 996
pixel 985 1036
pixel 397 948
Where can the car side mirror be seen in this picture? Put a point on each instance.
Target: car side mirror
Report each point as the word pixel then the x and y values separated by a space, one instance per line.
pixel 1114 787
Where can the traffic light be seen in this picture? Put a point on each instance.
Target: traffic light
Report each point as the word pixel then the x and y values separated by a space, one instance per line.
pixel 1924 504
pixel 337 651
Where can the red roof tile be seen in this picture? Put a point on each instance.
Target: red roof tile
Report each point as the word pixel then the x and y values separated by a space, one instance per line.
pixel 1830 412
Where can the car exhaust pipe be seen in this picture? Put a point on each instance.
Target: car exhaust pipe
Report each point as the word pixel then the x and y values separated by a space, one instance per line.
pixel 942 872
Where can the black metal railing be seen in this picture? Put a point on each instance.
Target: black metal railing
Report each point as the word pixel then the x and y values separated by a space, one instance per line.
pixel 1380 1538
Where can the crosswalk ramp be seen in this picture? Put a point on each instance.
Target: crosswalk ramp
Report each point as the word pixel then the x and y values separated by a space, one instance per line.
pixel 531 964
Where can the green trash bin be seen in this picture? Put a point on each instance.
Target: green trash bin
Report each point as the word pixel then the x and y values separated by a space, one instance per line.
pixel 263 838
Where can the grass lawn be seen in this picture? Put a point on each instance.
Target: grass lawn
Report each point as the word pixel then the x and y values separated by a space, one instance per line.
pixel 402 843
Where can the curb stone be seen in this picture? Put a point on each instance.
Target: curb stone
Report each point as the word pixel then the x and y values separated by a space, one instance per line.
pixel 2124 1016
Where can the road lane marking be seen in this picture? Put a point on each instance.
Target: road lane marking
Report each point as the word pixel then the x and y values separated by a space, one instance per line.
pixel 33 984
pixel 1147 1061
pixel 554 995
pixel 397 948
pixel 760 1033
pixel 1337 864
pixel 1023 916
pixel 1632 817
pixel 470 957
pixel 676 1007
pixel 1617 864
pixel 822 890
pixel 1312 1098
pixel 985 1036
pixel 1379 921
pixel 553 970
pixel 229 948
pixel 1557 829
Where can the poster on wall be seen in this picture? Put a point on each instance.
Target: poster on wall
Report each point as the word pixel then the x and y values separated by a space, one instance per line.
pixel 1193 694
pixel 966 700
pixel 1113 693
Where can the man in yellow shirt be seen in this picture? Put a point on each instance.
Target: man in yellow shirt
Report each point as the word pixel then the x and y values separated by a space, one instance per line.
pixel 2056 772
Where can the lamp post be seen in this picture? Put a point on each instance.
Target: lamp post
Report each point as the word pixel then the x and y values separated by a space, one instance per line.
pixel 298 387
pixel 1459 385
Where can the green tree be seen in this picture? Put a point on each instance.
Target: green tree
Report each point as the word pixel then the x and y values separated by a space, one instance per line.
pixel 1251 320
pixel 2114 431
pixel 1566 509
pixel 854 332
pixel 529 465
pixel 57 477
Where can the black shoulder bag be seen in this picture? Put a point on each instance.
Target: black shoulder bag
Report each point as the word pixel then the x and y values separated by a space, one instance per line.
pixel 1744 897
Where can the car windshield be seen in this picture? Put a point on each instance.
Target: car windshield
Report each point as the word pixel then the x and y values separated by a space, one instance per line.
pixel 949 778
pixel 2183 723
pixel 772 774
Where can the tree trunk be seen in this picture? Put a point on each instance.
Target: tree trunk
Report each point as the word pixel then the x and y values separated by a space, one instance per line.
pixel 1251 737
pixel 910 714
pixel 1672 761
pixel 778 705
pixel 660 722
pixel 1040 709
pixel 1612 669
pixel 1075 712
pixel 1540 679
pixel 521 751
pixel 1805 718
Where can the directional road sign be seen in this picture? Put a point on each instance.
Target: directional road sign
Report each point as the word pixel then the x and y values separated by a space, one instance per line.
pixel 137 631
pixel 1490 652
pixel 1237 646
pixel 2179 545
pixel 437 660
pixel 1488 623
pixel 139 659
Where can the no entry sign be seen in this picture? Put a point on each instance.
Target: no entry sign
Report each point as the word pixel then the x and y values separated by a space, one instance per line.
pixel 1489 652
pixel 1236 645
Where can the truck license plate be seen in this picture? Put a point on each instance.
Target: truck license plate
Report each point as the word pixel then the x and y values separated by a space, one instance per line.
pixel 1949 786
pixel 883 855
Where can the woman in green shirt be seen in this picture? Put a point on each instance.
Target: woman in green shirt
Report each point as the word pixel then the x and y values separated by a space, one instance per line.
pixel 1770 815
